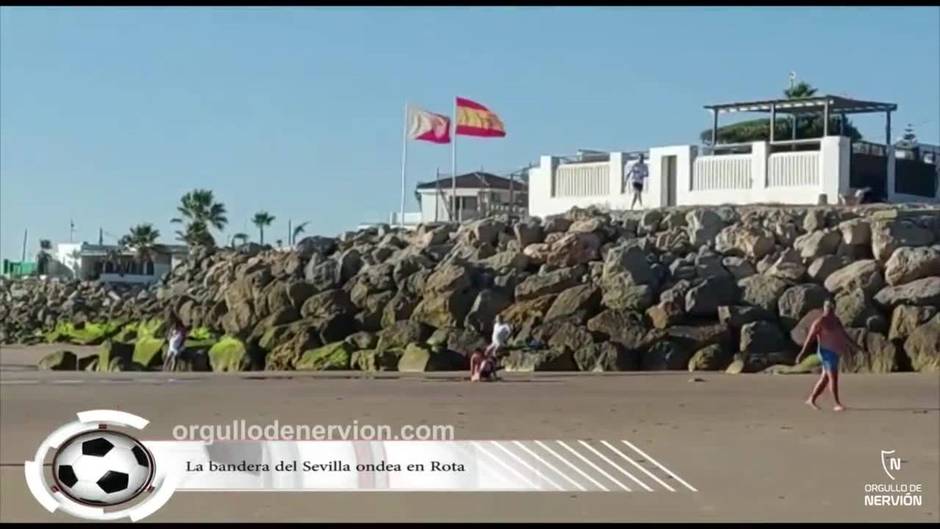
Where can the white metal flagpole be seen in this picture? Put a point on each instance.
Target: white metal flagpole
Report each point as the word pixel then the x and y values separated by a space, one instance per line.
pixel 453 168
pixel 404 162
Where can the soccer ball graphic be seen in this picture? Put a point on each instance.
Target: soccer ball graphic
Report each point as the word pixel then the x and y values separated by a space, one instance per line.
pixel 102 468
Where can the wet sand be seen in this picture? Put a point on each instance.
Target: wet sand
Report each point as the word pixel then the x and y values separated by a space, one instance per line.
pixel 747 443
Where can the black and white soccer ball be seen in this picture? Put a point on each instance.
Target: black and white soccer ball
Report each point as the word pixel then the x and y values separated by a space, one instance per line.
pixel 102 468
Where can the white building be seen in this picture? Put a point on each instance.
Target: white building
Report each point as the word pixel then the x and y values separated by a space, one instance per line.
pixel 784 171
pixel 112 264
pixel 470 196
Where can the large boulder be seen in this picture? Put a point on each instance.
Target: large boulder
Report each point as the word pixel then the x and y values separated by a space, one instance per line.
pixel 855 232
pixel 332 356
pixel 571 337
pixel 796 301
pixel 737 316
pixel 665 355
pixel 761 338
pixel 666 313
pixel 547 360
pixel 762 291
pixel 582 299
pixel 419 358
pixel 822 267
pixel 923 346
pixel 316 244
pixel 905 319
pixel 910 264
pixel 624 327
pixel 402 333
pixel 373 360
pixel 630 261
pixel 521 312
pixel 694 337
pixel 619 292
pixel 739 267
pixel 488 303
pixel 818 243
pixel 715 357
pixel 704 299
pixel 399 308
pixel 921 292
pixel 703 226
pixel 328 303
pixel 862 275
pixel 573 249
pixel 854 308
pixel 555 282
pixel 878 354
pixel 788 267
pixel 887 236
pixel 606 356
pixel 528 233
pixel 741 240
pixel 229 354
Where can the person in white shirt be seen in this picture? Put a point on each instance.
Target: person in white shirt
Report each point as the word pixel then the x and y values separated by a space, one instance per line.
pixel 175 343
pixel 483 365
pixel 636 176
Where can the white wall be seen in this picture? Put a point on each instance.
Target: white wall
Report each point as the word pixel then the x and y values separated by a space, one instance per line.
pixel 798 177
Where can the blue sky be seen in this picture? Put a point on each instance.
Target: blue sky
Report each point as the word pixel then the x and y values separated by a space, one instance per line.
pixel 109 115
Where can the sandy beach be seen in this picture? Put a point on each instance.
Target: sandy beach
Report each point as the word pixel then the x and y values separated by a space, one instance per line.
pixel 747 443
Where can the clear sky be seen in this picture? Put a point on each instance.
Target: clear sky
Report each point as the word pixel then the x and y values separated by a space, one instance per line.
pixel 109 115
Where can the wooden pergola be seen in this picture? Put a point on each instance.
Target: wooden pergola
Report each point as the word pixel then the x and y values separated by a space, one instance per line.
pixel 826 105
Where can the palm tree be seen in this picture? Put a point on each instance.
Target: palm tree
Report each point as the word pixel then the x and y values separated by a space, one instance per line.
pixel 262 219
pixel 301 228
pixel 800 90
pixel 201 212
pixel 196 234
pixel 241 237
pixel 141 238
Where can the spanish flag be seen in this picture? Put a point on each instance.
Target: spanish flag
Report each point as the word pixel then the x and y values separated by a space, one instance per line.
pixel 474 119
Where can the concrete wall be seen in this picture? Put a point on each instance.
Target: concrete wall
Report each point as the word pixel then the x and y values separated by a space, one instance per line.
pixel 798 177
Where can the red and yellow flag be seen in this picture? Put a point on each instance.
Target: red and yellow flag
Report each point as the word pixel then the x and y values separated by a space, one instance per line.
pixel 474 119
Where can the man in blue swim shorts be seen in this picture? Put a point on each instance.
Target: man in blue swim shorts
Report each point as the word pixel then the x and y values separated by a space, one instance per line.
pixel 832 341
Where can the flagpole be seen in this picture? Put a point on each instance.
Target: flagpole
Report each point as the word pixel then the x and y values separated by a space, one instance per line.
pixel 453 167
pixel 404 161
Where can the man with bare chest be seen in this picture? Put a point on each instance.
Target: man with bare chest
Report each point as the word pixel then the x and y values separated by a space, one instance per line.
pixel 832 342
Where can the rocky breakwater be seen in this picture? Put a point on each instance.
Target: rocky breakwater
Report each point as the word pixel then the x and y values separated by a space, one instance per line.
pixel 724 288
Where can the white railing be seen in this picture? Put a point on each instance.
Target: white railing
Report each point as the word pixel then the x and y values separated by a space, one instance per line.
pixel 581 180
pixel 793 169
pixel 411 218
pixel 731 171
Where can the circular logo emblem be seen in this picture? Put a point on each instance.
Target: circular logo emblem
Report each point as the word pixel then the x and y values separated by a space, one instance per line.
pixel 102 468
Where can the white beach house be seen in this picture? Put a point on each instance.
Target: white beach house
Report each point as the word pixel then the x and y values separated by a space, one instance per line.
pixel 786 171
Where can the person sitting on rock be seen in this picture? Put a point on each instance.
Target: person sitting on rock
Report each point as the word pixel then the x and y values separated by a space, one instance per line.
pixel 175 342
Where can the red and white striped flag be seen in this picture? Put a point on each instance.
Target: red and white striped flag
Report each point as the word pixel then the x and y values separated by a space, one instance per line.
pixel 428 126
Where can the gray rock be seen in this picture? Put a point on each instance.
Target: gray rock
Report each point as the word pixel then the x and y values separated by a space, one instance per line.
pixel 923 346
pixel 704 299
pixel 762 291
pixel 861 275
pixel 921 292
pixel 796 301
pixel 887 236
pixel 818 243
pixel 905 319
pixel 910 264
